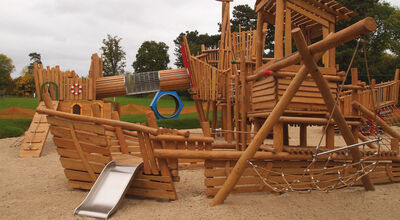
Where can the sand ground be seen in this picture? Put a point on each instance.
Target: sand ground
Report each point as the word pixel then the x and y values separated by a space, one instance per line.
pixel 36 188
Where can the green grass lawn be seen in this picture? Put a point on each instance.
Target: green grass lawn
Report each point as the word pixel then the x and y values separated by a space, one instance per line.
pixel 164 102
pixel 13 127
pixel 184 121
pixel 17 127
pixel 22 102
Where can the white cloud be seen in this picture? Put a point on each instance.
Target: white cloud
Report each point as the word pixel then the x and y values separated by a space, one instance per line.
pixel 67 32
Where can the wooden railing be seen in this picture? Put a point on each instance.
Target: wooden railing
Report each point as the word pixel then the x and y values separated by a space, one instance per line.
pixel 381 95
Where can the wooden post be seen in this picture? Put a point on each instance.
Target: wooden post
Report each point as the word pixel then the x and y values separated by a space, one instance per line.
pixel 120 135
pixel 394 145
pixel 278 136
pixel 288 31
pixel 332 53
pixel 272 119
pixel 214 121
pixel 330 102
pixel 396 91
pixel 151 119
pixel 330 137
pixel 244 101
pixel 259 39
pixel 279 21
pixel 303 135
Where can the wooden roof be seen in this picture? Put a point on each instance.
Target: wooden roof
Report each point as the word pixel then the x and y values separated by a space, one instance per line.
pixel 308 13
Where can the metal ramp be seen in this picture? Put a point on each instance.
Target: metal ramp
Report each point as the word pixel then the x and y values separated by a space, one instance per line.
pixel 36 135
pixel 108 191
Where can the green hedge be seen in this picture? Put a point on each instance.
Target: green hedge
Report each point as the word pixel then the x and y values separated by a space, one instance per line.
pixel 13 127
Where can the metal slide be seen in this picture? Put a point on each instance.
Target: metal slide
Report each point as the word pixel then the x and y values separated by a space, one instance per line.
pixel 108 191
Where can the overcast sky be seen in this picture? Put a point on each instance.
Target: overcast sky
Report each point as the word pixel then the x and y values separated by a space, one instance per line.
pixel 67 32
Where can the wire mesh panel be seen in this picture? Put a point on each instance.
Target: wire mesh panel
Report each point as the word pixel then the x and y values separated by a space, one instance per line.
pixel 137 83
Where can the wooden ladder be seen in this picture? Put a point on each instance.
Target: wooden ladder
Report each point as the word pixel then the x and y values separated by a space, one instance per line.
pixel 36 135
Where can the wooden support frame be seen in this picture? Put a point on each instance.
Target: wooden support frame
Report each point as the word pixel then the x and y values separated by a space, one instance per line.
pixel 323 86
pixel 261 134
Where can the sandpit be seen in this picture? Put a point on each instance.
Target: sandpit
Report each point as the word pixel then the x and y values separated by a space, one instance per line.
pixel 36 188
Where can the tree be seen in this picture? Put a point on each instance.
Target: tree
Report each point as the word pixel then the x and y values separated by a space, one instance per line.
pixel 6 68
pixel 34 57
pixel 151 56
pixel 113 56
pixel 382 46
pixel 246 17
pixel 25 84
pixel 195 40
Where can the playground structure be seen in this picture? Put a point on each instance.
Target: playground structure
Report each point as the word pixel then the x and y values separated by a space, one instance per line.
pixel 256 96
pixel 84 96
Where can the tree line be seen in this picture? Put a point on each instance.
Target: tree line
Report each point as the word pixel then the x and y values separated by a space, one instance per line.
pixel 382 47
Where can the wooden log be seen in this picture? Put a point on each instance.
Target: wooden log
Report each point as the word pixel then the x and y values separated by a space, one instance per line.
pixel 363 27
pixel 234 155
pixel 303 135
pixel 375 118
pixel 113 123
pixel 259 38
pixel 330 101
pixel 110 86
pixel 279 28
pixel 394 145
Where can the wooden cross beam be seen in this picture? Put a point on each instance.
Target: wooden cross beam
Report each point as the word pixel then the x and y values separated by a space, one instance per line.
pixel 330 101
pixel 272 119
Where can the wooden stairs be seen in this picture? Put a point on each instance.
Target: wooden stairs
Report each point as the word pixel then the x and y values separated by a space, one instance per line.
pixel 36 135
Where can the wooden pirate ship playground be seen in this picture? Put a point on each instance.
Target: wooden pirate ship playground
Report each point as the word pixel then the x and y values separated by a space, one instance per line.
pixel 257 97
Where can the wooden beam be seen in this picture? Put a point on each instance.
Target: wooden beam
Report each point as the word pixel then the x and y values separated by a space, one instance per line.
pixel 288 31
pixel 261 5
pixel 365 111
pixel 307 14
pixel 259 38
pixel 279 22
pixel 323 6
pixel 323 14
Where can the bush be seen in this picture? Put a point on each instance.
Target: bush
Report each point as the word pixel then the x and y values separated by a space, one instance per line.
pixel 13 127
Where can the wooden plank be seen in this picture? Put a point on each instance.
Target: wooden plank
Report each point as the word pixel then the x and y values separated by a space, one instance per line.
pixel 80 152
pixel 78 175
pixel 74 164
pixel 90 127
pixel 90 156
pixel 308 14
pixel 82 136
pixel 86 147
pixel 152 185
pixel 80 185
pixel 159 194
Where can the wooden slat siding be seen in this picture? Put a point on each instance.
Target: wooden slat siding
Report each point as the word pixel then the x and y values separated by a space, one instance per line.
pixel 76 164
pixel 90 127
pixel 86 147
pixel 82 136
pixel 150 154
pixel 91 156
pixel 81 154
pixel 146 163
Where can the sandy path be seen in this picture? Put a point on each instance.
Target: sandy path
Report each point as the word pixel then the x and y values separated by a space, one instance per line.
pixel 37 189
